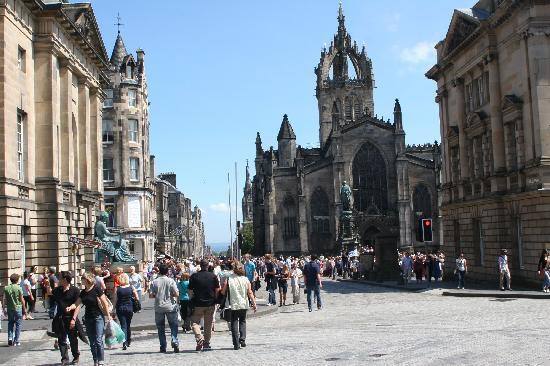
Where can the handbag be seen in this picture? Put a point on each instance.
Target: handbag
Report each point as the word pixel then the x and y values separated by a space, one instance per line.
pixel 136 305
pixel 225 313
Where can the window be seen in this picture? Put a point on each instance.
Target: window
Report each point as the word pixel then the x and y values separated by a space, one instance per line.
pixel 290 224
pixel 477 92
pixel 320 212
pixel 20 146
pixel 108 171
pixel 134 169
pixel 479 245
pixel 108 135
pixel 129 71
pixel 348 109
pixel 519 241
pixel 456 235
pixel 108 102
pixel 370 191
pixel 133 130
pixel 132 99
pixel 21 59
pixel 110 208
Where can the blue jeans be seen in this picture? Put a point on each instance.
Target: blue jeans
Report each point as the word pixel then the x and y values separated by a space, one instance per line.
pixel 546 279
pixel 461 275
pixel 15 319
pixel 161 327
pixel 95 327
pixel 317 292
pixel 125 316
pixel 271 291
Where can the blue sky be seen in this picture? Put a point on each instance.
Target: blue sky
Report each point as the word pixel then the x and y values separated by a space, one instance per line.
pixel 219 71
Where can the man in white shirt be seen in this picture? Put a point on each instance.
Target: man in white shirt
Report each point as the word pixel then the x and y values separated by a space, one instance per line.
pixel 504 270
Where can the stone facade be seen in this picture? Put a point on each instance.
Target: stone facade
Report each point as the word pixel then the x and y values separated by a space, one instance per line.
pixel 185 225
pixel 52 69
pixel 296 191
pixel 128 176
pixel 492 74
pixel 247 202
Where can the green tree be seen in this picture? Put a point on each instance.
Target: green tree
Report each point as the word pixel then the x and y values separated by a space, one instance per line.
pixel 248 238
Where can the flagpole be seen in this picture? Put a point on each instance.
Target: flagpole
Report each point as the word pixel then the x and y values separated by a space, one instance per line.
pixel 236 215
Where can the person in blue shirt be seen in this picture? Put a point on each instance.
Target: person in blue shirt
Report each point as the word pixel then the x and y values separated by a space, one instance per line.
pixel 185 309
pixel 312 280
pixel 250 270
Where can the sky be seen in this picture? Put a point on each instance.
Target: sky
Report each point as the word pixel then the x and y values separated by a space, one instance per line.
pixel 219 71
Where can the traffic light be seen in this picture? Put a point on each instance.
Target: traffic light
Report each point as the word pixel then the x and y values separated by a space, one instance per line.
pixel 419 233
pixel 427 233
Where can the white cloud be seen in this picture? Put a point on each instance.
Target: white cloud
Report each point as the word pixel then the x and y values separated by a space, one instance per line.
pixel 220 207
pixel 392 22
pixel 422 52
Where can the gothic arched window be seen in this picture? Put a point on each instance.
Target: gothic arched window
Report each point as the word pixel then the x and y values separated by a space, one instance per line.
pixel 335 113
pixel 357 110
pixel 348 109
pixel 370 190
pixel 422 201
pixel 290 223
pixel 320 212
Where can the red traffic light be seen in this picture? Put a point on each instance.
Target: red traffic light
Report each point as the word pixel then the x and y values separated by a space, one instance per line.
pixel 427 223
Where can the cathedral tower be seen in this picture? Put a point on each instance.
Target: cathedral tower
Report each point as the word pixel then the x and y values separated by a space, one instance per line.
pixel 344 83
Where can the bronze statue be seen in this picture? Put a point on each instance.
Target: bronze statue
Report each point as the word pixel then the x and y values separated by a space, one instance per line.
pixel 112 245
pixel 345 196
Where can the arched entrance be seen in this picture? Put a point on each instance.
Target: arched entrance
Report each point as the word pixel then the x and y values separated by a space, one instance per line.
pixel 369 236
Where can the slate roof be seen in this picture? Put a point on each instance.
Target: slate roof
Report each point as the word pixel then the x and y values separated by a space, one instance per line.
pixel 119 51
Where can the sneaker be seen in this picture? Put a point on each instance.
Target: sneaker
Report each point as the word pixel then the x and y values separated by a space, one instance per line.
pixel 17 344
pixel 502 289
pixel 206 346
pixel 243 344
pixel 176 347
pixel 310 310
pixel 200 345
pixel 236 348
pixel 163 350
pixel 10 342
pixel 124 347
pixel 75 361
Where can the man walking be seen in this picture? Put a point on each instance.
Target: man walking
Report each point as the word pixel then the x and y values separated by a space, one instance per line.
pixel 65 322
pixel 15 307
pixel 204 287
pixel 271 283
pixel 165 292
pixel 504 270
pixel 312 280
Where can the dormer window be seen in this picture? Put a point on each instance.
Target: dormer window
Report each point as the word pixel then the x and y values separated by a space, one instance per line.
pixel 129 72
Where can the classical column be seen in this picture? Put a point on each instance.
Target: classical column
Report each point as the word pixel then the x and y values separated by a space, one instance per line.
pixel 84 161
pixel 66 104
pixel 96 144
pixel 44 112
pixel 441 100
pixel 462 138
pixel 497 131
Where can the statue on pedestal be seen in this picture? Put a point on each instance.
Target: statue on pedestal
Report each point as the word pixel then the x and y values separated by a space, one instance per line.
pixel 345 196
pixel 112 245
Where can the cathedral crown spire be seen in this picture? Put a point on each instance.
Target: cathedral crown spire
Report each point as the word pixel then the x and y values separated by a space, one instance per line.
pixel 341 17
pixel 286 132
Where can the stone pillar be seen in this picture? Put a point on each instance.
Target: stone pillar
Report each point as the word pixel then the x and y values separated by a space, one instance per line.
pixel 96 145
pixel 44 112
pixel 498 182
pixel 65 73
pixel 463 139
pixel 302 221
pixel 85 153
pixel 442 100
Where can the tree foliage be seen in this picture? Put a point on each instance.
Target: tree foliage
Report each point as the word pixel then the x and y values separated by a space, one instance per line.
pixel 248 238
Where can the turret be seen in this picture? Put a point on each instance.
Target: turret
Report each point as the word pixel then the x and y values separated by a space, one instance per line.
pixel 397 116
pixel 287 144
pixel 259 149
pixel 399 132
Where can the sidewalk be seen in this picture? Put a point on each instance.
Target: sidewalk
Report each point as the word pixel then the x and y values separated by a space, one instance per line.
pixel 34 330
pixel 448 288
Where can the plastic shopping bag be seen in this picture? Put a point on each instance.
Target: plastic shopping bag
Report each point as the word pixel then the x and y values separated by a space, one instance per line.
pixel 113 334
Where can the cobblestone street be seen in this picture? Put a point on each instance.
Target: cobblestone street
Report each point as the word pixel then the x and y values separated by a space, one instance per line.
pixel 358 325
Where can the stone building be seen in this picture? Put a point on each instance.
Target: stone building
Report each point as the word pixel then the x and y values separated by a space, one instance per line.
pixel 492 74
pixel 128 176
pixel 296 190
pixel 186 227
pixel 52 69
pixel 165 240
pixel 247 202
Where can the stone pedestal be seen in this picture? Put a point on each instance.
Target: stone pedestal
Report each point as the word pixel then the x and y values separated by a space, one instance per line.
pixel 387 267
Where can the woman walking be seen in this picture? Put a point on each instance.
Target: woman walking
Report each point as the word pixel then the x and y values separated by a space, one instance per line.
pixel 124 307
pixel 27 295
pixel 461 269
pixel 97 307
pixel 544 270
pixel 295 283
pixel 240 292
pixel 282 280
pixel 183 289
